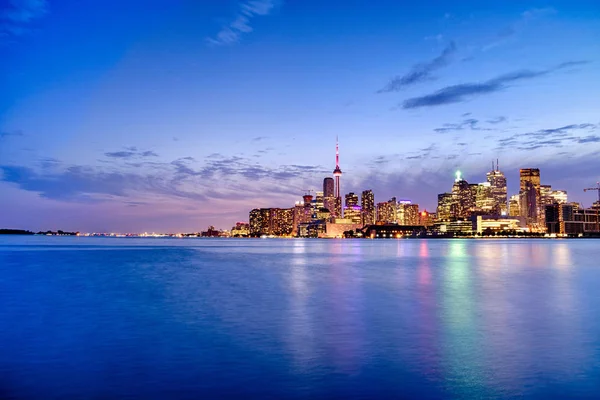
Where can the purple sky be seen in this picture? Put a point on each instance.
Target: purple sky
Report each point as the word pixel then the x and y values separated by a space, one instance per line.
pixel 167 115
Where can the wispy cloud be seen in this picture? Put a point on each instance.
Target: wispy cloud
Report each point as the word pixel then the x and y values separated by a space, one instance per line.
pixel 465 91
pixel 420 72
pixel 508 32
pixel 497 120
pixel 232 31
pixel 6 134
pixel 16 16
pixel 552 137
pixel 469 123
pixel 130 152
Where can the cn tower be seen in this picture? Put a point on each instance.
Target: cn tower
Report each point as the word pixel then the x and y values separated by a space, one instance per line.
pixel 337 172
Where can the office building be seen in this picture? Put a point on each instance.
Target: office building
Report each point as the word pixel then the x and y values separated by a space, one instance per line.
pixel 569 219
pixel 514 208
pixel 498 190
pixel 367 202
pixel 329 194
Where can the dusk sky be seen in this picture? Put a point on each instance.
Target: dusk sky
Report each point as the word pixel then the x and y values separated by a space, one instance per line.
pixel 167 115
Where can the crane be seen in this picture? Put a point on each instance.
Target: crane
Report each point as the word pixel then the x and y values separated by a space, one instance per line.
pixel 595 188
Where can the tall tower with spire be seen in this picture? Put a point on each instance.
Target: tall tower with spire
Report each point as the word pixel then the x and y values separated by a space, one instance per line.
pixel 498 191
pixel 337 173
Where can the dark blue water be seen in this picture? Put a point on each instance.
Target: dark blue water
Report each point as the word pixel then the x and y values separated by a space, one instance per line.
pixel 201 319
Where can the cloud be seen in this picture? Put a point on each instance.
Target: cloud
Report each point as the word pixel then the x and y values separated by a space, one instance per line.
pixel 130 152
pixel 16 16
pixel 512 30
pixel 465 91
pixel 120 154
pixel 232 32
pixel 420 72
pixel 6 134
pixel 497 120
pixel 469 123
pixel 589 139
pixel 259 138
pixel 553 137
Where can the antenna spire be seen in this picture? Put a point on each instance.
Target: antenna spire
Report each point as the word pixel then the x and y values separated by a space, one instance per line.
pixel 337 153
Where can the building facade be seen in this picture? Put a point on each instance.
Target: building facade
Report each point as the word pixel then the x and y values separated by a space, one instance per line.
pixel 367 202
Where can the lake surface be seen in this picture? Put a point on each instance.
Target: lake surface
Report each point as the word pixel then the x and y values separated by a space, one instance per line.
pixel 250 318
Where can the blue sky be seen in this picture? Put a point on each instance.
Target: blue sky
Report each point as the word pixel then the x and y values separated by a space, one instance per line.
pixel 172 115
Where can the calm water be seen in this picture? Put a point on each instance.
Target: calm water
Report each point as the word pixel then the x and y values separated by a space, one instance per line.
pixel 201 318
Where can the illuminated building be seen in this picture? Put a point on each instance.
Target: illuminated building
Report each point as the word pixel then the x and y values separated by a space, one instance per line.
pixel 514 208
pixel 483 224
pixel 446 208
pixel 260 221
pixel 337 173
pixel 353 214
pixel 352 210
pixel 528 204
pixel 351 199
pixel 241 229
pixel 319 200
pixel 386 212
pixel 368 207
pixel 337 228
pixel 281 221
pixel 271 221
pixel 497 182
pixel 484 200
pixel 391 231
pixel 530 191
pixel 407 213
pixel 302 213
pixel 426 218
pixel 464 195
pixel 329 194
pixel 549 196
pixel 569 219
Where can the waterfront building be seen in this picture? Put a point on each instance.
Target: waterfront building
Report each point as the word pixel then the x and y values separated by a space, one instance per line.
pixel 260 221
pixel 569 219
pixel 367 201
pixel 241 229
pixel 483 224
pixel 271 221
pixel 337 227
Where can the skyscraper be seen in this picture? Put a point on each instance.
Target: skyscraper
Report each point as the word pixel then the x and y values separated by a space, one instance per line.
pixel 337 173
pixel 352 210
pixel 464 195
pixel 498 190
pixel 514 207
pixel 530 193
pixel 368 207
pixel 329 194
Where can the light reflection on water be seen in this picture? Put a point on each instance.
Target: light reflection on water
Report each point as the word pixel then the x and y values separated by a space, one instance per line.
pixel 299 318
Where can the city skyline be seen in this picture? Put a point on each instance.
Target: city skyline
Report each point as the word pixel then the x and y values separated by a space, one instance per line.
pixel 185 116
